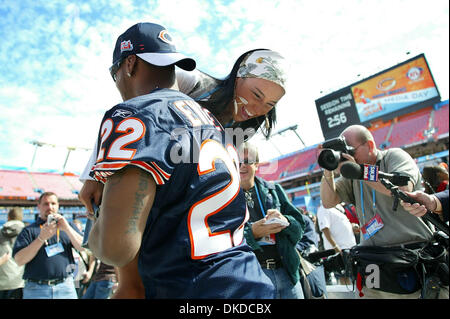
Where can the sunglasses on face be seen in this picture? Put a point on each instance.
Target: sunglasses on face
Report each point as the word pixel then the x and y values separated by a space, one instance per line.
pixel 247 162
pixel 114 68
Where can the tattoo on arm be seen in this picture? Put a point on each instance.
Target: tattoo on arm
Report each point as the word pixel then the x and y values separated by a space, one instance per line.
pixel 138 204
pixel 114 181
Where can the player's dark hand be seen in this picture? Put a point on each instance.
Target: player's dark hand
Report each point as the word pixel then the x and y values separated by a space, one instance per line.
pixel 91 190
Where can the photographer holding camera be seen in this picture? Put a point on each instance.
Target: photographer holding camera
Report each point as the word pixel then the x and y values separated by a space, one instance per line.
pixel 45 248
pixel 380 224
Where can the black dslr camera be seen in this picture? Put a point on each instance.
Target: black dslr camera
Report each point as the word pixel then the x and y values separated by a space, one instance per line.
pixel 330 156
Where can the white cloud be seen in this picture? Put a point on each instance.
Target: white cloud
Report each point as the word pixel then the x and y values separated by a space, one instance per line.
pixel 183 16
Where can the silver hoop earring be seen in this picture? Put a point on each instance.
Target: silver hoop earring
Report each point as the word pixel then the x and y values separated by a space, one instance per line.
pixel 128 74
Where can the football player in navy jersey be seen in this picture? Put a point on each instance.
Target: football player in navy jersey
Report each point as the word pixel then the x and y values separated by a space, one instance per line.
pixel 171 190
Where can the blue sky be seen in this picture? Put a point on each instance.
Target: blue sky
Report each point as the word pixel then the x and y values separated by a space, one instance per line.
pixel 55 85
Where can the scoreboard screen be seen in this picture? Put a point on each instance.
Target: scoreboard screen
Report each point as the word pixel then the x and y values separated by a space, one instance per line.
pixel 401 89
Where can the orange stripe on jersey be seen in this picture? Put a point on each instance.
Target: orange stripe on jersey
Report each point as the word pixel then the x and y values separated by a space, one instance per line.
pixel 114 166
pixel 146 167
pixel 102 168
pixel 163 173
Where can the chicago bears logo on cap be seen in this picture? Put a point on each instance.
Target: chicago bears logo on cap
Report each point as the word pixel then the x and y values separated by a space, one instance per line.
pixel 164 36
pixel 126 46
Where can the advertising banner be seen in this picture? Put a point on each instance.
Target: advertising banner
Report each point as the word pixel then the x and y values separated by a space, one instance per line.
pixel 391 91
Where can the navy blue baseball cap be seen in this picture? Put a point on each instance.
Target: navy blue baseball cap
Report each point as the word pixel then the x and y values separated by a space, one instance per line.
pixel 152 43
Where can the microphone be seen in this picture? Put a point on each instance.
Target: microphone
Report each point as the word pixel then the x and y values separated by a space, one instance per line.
pixel 371 173
pixel 352 170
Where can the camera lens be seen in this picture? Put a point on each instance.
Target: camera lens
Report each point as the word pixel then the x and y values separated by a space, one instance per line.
pixel 329 159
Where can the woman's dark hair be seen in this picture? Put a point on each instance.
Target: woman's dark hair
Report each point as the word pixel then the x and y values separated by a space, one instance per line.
pixel 220 100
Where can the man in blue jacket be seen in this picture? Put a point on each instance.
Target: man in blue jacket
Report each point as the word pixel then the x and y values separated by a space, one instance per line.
pixel 274 228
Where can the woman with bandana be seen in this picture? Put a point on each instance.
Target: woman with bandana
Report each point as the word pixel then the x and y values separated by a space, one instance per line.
pixel 246 98
pixel 243 101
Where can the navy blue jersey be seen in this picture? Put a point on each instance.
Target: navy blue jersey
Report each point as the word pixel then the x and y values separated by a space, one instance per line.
pixel 193 244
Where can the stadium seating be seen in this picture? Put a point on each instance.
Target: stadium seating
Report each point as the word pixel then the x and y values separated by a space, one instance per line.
pixel 302 162
pixel 273 170
pixel 74 182
pixel 17 184
pixel 301 193
pixel 55 183
pixel 380 134
pixel 29 185
pixel 440 122
pixel 410 129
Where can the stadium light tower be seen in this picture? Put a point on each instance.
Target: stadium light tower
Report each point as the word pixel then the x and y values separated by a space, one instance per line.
pixel 292 128
pixel 275 146
pixel 38 144
pixel 69 149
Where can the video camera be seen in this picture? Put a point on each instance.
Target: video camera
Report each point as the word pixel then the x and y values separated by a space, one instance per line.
pixel 330 259
pixel 331 155
pixel 338 263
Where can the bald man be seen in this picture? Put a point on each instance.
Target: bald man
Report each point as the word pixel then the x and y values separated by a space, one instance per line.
pixel 380 225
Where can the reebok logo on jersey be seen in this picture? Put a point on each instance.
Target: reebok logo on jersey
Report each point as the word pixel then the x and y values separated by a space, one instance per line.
pixel 122 113
pixel 126 46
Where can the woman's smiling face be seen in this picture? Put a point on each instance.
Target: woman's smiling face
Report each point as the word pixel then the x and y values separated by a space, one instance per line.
pixel 255 97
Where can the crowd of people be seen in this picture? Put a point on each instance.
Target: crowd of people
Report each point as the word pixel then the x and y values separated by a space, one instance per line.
pixel 182 211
